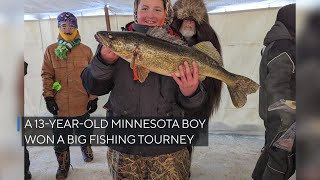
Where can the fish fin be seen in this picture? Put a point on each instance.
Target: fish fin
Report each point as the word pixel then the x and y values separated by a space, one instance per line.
pixel 162 33
pixel 133 60
pixel 132 63
pixel 142 73
pixel 208 48
pixel 241 88
pixel 135 75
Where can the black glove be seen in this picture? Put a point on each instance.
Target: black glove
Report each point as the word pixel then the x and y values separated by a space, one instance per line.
pixel 52 105
pixel 92 105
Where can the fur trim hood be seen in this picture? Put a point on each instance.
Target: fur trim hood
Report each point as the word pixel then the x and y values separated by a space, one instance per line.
pixel 167 7
pixel 194 9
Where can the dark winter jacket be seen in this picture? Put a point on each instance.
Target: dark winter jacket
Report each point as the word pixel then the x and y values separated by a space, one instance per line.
pixel 158 96
pixel 277 69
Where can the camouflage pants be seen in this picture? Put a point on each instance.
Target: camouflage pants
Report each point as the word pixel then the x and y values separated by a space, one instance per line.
pixel 173 166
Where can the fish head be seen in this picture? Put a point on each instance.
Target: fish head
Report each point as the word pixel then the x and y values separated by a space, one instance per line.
pixel 118 42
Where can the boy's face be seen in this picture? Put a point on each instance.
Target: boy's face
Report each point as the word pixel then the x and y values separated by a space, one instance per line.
pixel 151 12
pixel 67 28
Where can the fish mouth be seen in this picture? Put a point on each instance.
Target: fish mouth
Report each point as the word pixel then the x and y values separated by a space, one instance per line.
pixel 102 37
pixel 97 37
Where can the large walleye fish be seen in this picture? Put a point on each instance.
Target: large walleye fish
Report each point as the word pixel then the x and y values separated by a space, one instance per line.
pixel 158 52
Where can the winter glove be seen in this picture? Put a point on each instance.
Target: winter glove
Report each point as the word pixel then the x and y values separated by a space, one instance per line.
pixel 92 106
pixel 52 105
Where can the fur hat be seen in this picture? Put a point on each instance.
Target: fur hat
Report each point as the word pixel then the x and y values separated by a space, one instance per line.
pixel 67 17
pixel 167 8
pixel 194 9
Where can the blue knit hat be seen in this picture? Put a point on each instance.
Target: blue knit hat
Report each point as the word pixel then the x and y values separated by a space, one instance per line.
pixel 67 17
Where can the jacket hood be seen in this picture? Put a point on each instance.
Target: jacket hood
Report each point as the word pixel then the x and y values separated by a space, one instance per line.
pixel 194 9
pixel 277 32
pixel 287 15
pixel 167 8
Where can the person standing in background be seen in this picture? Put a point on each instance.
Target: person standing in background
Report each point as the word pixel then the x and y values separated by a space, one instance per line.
pixel 192 20
pixel 278 81
pixel 63 91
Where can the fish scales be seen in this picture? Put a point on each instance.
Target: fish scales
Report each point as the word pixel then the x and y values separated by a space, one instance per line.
pixel 162 57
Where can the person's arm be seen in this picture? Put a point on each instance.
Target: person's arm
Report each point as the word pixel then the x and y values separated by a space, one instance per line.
pixel 47 75
pixel 48 78
pixel 278 81
pixel 195 101
pixel 97 76
pixel 92 98
pixel 280 71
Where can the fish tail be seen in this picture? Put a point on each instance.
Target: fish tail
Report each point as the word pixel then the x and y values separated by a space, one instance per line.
pixel 240 89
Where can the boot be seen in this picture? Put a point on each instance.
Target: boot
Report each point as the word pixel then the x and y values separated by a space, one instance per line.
pixel 64 164
pixel 87 153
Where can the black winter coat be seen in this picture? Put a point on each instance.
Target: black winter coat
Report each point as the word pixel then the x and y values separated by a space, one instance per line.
pixel 277 70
